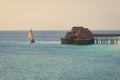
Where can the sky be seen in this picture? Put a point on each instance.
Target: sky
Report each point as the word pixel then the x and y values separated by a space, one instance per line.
pixel 59 14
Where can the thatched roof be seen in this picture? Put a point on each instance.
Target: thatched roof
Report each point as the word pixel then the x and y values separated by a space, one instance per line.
pixel 80 33
pixel 84 33
pixel 89 33
pixel 76 29
pixel 70 35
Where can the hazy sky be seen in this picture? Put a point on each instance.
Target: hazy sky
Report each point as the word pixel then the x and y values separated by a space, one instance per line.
pixel 59 14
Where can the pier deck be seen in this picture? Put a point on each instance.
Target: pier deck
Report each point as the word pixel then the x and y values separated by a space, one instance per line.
pixel 106 35
pixel 106 38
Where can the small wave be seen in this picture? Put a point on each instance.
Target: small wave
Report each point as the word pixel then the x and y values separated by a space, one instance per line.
pixel 48 42
pixel 36 42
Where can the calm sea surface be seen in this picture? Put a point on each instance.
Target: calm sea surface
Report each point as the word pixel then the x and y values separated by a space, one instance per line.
pixel 48 59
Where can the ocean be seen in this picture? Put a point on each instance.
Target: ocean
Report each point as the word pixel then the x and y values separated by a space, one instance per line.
pixel 48 59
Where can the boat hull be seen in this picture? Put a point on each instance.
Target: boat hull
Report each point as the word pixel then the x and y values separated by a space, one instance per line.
pixel 32 40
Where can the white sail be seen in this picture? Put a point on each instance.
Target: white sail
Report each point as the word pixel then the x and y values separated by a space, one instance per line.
pixel 30 34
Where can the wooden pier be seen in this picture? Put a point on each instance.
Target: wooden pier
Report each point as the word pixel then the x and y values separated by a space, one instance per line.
pixel 106 35
pixel 81 35
pixel 106 38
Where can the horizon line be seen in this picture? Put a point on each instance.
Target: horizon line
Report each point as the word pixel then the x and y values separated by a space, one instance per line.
pixel 64 30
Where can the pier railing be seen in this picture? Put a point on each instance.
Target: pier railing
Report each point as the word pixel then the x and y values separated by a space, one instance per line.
pixel 106 35
pixel 106 38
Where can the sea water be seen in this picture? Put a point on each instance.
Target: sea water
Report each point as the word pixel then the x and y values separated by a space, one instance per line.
pixel 48 59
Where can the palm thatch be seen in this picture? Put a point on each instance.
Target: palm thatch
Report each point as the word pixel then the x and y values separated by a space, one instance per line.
pixel 89 33
pixel 70 35
pixel 75 29
pixel 79 33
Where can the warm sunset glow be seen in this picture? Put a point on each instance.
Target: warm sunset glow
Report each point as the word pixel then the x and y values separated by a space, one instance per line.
pixel 59 14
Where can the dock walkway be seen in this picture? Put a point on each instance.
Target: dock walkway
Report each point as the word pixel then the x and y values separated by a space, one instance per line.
pixel 106 38
pixel 106 35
